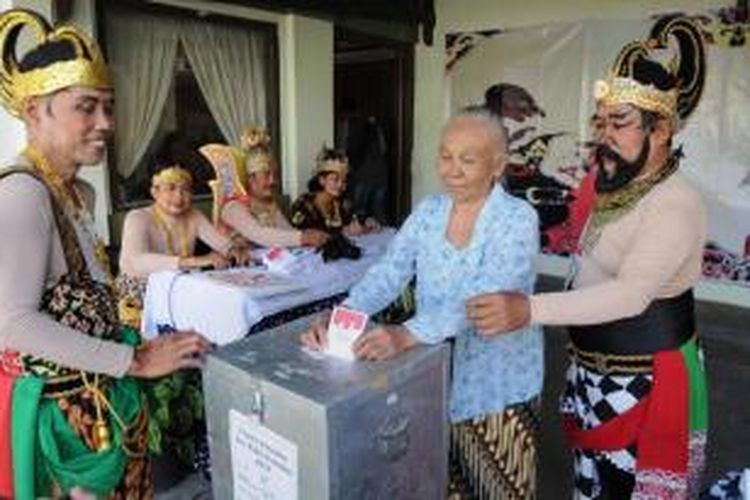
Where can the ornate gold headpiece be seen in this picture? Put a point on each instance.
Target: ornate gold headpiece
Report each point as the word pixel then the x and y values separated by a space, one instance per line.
pixel 172 175
pixel 231 177
pixel 687 70
pixel 331 160
pixel 257 146
pixel 87 69
pixel 621 90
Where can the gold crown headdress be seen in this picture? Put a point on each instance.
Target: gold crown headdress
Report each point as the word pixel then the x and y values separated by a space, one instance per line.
pixel 687 69
pixel 172 175
pixel 16 86
pixel 231 177
pixel 256 143
pixel 331 160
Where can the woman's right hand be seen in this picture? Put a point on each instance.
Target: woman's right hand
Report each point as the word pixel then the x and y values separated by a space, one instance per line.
pixel 316 337
pixel 168 353
pixel 314 238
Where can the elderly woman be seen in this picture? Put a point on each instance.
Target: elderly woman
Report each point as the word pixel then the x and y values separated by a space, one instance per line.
pixel 471 239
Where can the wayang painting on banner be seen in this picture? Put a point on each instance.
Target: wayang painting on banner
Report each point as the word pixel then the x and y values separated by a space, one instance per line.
pixel 540 80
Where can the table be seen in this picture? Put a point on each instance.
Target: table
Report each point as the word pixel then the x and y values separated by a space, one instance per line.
pixel 224 312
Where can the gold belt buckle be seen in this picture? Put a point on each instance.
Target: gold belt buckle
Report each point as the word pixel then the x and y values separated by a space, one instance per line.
pixel 601 361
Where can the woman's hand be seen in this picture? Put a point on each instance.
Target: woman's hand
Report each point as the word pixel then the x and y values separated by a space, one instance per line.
pixel 168 353
pixel 316 337
pixel 383 342
pixel 354 228
pixel 314 238
pixel 372 225
pixel 499 312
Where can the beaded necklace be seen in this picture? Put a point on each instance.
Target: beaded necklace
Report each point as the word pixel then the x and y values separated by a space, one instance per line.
pixel 161 223
pixel 70 198
pixel 610 207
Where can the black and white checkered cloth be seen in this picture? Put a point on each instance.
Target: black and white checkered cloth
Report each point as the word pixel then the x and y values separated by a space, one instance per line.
pixel 594 398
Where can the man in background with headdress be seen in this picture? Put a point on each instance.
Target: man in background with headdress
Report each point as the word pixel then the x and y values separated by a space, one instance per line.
pixel 240 212
pixel 68 403
pixel 635 406
pixel 262 179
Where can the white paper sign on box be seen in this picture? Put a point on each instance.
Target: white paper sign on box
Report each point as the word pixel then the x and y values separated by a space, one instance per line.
pixel 264 464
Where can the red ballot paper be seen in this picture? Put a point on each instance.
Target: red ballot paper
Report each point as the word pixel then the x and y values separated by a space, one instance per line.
pixel 343 329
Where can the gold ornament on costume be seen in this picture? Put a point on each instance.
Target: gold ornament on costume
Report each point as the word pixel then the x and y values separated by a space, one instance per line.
pixel 87 69
pixel 256 143
pixel 169 239
pixel 619 90
pixel 687 67
pixel 172 175
pixel 330 160
pixel 254 137
pixel 70 197
pixel 231 176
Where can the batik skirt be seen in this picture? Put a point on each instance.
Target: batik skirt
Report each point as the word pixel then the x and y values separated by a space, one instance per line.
pixel 494 457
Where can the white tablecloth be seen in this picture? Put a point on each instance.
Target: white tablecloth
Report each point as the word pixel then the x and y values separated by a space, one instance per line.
pixel 224 312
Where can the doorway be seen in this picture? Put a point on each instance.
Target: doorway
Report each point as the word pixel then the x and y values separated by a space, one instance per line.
pixel 373 99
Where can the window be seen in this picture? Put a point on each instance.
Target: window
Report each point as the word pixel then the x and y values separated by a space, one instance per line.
pixel 182 130
pixel 182 81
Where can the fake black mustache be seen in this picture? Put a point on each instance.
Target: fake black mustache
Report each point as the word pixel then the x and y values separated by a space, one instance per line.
pixel 604 152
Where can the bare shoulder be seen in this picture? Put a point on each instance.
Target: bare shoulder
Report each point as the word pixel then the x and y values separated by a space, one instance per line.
pixel 138 215
pixel 197 216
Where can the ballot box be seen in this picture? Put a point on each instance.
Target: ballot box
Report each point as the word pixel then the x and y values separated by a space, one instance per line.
pixel 286 424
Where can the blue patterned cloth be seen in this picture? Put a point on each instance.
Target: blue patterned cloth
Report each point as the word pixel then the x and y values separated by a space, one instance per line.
pixel 487 374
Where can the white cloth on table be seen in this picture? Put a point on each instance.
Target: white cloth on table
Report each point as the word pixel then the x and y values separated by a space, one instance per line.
pixel 223 312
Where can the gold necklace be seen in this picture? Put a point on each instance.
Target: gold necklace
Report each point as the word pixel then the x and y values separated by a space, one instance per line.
pixel 70 197
pixel 161 223
pixel 68 194
pixel 610 207
pixel 330 212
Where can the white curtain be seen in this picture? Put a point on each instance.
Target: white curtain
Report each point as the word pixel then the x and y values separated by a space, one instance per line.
pixel 229 64
pixel 142 50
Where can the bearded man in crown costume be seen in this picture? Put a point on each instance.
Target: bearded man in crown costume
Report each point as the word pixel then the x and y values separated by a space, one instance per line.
pixel 244 196
pixel 72 418
pixel 635 407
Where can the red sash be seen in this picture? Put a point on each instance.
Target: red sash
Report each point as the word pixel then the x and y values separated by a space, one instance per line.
pixel 658 423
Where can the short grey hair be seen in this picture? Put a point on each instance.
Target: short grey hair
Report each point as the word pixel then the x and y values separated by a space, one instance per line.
pixel 491 120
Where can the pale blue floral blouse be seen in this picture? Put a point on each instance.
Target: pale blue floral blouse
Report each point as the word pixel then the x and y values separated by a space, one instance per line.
pixel 488 374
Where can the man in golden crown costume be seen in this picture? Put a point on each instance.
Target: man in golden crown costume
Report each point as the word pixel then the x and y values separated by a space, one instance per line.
pixel 72 419
pixel 244 194
pixel 635 408
pixel 163 236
